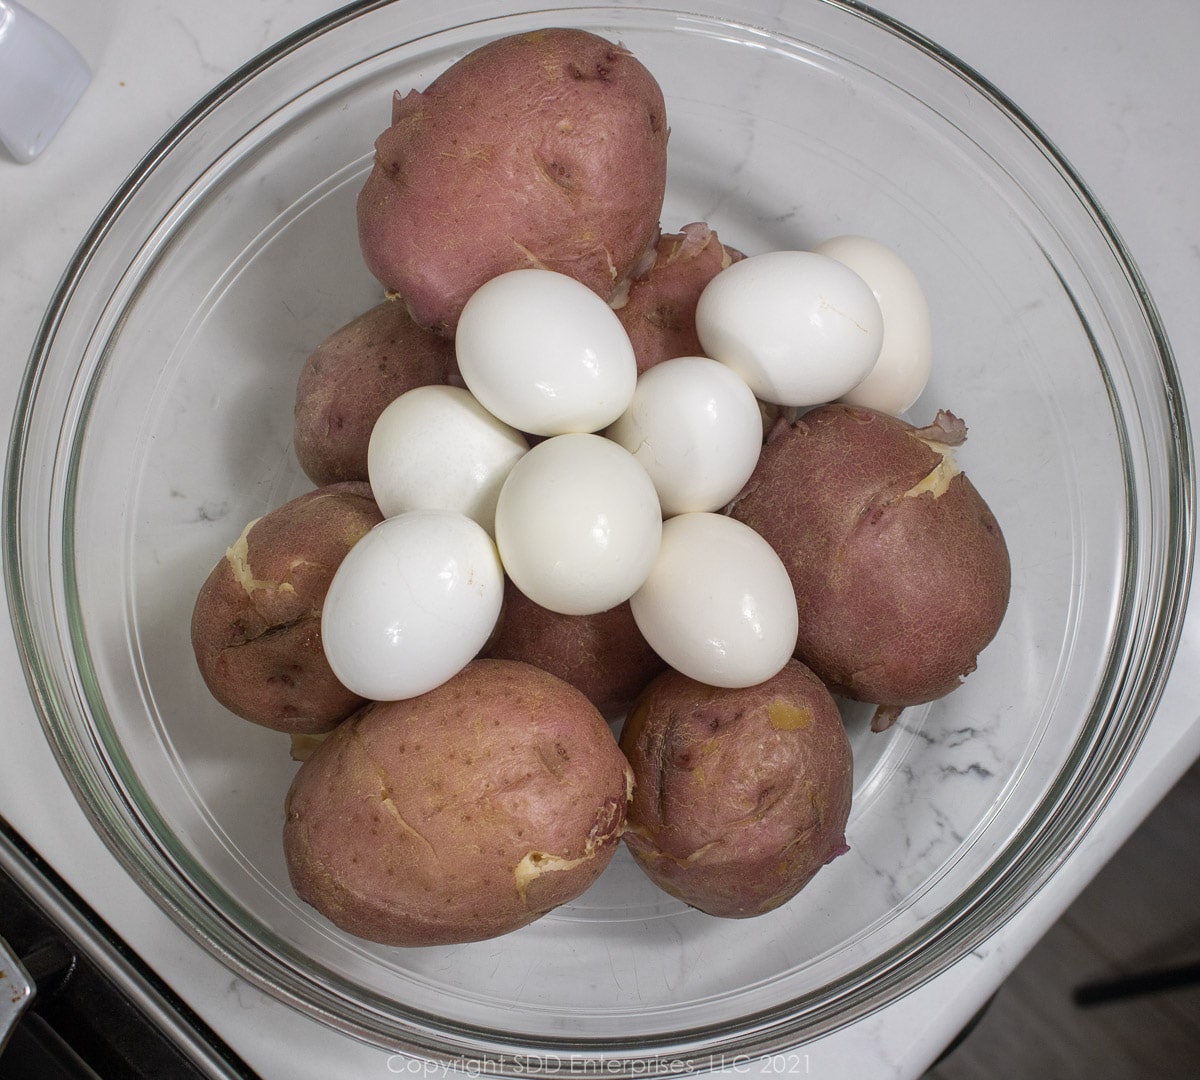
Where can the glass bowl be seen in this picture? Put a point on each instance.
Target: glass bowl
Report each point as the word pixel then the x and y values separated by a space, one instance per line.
pixel 155 421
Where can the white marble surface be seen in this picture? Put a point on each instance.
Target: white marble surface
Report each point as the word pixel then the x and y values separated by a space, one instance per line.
pixel 1113 85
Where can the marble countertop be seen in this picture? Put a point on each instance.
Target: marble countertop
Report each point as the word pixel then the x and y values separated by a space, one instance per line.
pixel 1113 85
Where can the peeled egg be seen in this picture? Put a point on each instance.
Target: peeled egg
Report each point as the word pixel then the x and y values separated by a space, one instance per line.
pixel 718 605
pixel 906 356
pixel 696 428
pixel 578 524
pixel 438 448
pixel 545 354
pixel 801 328
pixel 411 604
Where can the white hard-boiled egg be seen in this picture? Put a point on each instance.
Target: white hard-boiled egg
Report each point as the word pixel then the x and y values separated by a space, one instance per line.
pixel 411 604
pixel 801 328
pixel 718 605
pixel 578 524
pixel 696 428
pixel 906 356
pixel 438 448
pixel 545 354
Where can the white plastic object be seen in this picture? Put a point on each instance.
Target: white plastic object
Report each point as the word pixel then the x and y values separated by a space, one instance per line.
pixel 41 79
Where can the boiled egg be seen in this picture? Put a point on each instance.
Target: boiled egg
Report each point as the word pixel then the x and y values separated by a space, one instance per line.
pixel 545 354
pixel 578 524
pixel 718 604
pixel 906 355
pixel 696 428
pixel 799 327
pixel 438 448
pixel 411 604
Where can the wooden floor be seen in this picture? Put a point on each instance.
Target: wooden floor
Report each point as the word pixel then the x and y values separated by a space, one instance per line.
pixel 1141 913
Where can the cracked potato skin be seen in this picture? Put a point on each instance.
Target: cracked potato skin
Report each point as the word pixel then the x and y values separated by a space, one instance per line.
pixel 543 149
pixel 658 308
pixel 459 815
pixel 256 623
pixel 740 795
pixel 900 569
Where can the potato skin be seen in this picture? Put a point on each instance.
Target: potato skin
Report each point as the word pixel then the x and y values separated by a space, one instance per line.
pixel 540 149
pixel 351 377
pixel 605 656
pixel 256 623
pixel 899 588
pixel 740 795
pixel 658 306
pixel 459 815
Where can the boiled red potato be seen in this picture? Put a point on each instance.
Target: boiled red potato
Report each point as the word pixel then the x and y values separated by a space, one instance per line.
pixel 545 149
pixel 256 623
pixel 459 815
pixel 740 795
pixel 900 569
pixel 657 305
pixel 603 655
pixel 350 378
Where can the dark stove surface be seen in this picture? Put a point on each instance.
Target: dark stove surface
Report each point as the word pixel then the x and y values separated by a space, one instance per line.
pixel 97 1009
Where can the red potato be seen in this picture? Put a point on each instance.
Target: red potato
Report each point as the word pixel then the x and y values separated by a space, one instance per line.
pixel 740 796
pixel 900 569
pixel 256 623
pixel 351 377
pixel 657 306
pixel 459 815
pixel 545 149
pixel 605 656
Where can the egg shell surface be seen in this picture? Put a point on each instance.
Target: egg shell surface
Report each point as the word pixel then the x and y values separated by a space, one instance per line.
pixel 438 448
pixel 696 428
pixel 801 328
pixel 411 604
pixel 578 524
pixel 718 605
pixel 545 354
pixel 906 355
